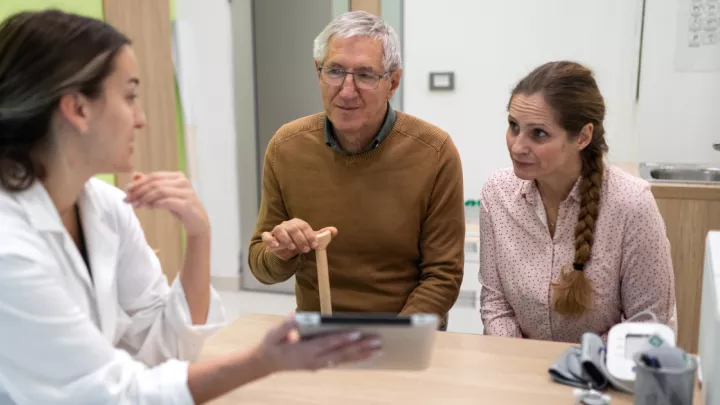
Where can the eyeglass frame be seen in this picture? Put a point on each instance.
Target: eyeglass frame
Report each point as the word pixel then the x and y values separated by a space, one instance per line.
pixel 377 75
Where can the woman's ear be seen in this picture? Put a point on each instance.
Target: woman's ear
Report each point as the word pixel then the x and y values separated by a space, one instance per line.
pixel 586 134
pixel 75 108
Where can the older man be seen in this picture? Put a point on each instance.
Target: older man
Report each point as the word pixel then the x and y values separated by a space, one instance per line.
pixel 388 185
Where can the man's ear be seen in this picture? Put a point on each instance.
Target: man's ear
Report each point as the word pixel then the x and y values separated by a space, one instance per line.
pixel 75 108
pixel 586 134
pixel 395 77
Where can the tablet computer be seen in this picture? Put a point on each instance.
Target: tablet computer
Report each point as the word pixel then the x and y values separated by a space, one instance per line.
pixel 407 341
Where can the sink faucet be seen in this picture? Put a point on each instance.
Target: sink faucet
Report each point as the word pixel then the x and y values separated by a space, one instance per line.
pixel 716 146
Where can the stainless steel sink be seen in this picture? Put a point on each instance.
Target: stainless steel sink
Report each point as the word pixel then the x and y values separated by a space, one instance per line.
pixel 680 173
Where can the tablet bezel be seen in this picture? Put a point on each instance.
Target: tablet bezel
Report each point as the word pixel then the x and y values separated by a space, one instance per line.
pixel 408 340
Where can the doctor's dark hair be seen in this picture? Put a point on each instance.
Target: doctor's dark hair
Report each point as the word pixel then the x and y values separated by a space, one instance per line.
pixel 43 56
pixel 572 92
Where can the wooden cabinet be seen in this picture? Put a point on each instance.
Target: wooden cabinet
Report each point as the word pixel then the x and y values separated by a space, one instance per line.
pixel 371 6
pixel 689 211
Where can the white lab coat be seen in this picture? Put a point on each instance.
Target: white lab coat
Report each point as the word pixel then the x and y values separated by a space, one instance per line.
pixel 123 338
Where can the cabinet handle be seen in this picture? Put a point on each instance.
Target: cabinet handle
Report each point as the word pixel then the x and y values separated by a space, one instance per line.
pixel 640 53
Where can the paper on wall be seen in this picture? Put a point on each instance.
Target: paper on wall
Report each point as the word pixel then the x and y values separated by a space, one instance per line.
pixel 698 36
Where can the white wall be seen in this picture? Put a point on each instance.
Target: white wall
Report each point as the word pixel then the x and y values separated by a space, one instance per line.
pixel 679 112
pixel 491 45
pixel 245 125
pixel 208 83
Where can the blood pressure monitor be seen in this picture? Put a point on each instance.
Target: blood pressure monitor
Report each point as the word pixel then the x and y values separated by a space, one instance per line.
pixel 626 339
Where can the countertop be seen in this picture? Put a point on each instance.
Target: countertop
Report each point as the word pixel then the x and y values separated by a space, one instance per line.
pixel 465 369
pixel 689 191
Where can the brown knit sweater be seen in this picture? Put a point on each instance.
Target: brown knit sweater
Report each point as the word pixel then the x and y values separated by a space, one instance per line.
pixel 398 209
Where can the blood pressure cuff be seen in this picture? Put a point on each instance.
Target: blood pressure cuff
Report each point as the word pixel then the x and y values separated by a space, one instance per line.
pixel 582 366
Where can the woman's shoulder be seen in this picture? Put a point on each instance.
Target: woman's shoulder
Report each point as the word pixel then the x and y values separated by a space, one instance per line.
pixel 501 184
pixel 109 202
pixel 18 235
pixel 10 207
pixel 15 209
pixel 623 185
pixel 103 191
pixel 503 179
pixel 106 197
pixel 624 190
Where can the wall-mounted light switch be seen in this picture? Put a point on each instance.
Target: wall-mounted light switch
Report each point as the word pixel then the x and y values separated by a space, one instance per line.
pixel 442 81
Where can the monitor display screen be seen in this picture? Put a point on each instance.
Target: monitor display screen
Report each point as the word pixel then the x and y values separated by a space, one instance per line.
pixel 634 343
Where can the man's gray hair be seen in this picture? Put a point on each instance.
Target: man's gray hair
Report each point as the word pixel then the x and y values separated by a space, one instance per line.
pixel 360 23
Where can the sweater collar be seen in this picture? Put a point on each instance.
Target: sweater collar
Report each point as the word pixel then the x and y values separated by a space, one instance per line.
pixel 387 126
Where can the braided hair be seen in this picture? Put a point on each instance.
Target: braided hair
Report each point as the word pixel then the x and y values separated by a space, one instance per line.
pixel 572 92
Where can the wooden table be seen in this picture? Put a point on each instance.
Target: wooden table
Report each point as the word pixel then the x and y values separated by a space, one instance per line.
pixel 466 369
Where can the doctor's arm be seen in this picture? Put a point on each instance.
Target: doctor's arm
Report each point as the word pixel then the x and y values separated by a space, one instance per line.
pixel 172 192
pixel 647 277
pixel 50 352
pixel 442 239
pixel 165 321
pixel 497 315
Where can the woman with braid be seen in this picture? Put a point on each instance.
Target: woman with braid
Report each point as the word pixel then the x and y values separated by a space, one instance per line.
pixel 568 244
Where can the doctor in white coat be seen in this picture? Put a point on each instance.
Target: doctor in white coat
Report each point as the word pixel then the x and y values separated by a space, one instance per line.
pixel 86 314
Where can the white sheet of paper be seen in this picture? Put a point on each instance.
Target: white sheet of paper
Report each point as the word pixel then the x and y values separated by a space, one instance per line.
pixel 698 36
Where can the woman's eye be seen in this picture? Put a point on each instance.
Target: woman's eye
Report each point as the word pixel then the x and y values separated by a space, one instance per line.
pixel 540 133
pixel 514 127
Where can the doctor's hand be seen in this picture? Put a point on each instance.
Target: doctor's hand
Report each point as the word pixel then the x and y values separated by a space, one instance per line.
pixel 282 349
pixel 170 191
pixel 293 237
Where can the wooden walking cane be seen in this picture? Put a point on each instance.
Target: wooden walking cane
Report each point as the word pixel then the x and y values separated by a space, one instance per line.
pixel 323 240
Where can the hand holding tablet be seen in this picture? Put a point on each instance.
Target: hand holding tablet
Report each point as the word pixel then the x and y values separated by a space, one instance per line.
pixel 407 341
pixel 282 349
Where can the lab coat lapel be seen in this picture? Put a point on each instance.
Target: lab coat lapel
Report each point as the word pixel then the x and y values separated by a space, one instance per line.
pixel 102 247
pixel 44 217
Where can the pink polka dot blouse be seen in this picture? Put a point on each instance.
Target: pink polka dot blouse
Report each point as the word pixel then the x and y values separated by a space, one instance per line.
pixel 630 268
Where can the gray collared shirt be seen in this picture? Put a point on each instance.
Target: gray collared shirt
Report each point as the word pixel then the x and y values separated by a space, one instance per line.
pixel 385 129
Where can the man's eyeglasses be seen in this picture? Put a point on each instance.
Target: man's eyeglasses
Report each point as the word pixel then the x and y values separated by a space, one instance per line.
pixel 363 80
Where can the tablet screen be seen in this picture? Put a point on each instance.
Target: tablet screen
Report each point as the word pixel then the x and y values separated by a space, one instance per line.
pixel 365 319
